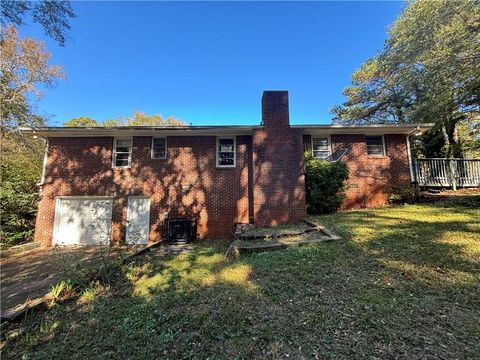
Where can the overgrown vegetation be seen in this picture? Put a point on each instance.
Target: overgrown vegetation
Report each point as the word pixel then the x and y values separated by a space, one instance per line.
pixel 402 283
pixel 325 184
pixel 85 282
pixel 20 171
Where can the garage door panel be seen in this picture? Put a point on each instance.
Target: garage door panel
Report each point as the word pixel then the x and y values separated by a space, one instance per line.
pixel 83 221
pixel 138 220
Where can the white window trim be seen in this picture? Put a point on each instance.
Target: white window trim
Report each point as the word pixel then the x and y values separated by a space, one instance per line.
pixel 166 147
pixel 384 151
pixel 234 152
pixel 318 137
pixel 114 151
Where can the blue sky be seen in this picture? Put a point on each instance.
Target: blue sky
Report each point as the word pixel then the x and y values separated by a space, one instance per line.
pixel 208 62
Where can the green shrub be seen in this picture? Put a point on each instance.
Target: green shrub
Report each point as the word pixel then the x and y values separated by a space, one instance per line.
pixel 325 184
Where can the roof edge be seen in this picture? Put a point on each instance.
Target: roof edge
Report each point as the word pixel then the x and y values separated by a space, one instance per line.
pixel 362 126
pixel 60 131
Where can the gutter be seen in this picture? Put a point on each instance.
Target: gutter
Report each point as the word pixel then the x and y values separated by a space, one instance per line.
pixel 139 131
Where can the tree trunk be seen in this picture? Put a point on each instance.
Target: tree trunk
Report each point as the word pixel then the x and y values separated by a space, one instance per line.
pixel 454 148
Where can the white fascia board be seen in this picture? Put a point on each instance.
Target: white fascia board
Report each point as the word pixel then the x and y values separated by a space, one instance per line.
pixel 139 131
pixel 374 129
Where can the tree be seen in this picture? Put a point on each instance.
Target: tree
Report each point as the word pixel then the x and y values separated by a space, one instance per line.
pixel 142 119
pixel 24 70
pixel 82 121
pixel 110 122
pixel 24 65
pixel 53 16
pixel 138 119
pixel 377 95
pixel 428 71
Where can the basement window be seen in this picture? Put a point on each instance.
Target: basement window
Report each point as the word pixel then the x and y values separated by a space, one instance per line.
pixel 122 152
pixel 226 152
pixel 320 147
pixel 159 148
pixel 375 145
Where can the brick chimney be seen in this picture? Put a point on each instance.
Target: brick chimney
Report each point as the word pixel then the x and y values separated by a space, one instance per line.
pixel 275 109
pixel 277 151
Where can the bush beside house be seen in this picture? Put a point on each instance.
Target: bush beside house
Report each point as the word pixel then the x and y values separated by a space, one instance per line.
pixel 325 184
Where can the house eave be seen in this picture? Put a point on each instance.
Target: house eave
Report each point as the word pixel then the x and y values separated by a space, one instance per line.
pixel 308 129
pixel 48 132
pixel 367 129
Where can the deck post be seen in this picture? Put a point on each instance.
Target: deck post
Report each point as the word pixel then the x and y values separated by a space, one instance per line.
pixel 415 180
pixel 453 177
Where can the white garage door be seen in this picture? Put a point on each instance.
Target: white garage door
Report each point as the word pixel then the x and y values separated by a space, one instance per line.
pixel 83 221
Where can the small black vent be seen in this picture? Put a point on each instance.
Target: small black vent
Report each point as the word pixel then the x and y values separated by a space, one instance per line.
pixel 180 229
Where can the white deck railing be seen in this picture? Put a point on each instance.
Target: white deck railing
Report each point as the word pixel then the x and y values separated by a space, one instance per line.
pixel 447 172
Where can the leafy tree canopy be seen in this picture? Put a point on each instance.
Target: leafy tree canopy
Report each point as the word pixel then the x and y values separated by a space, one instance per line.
pixel 82 121
pixel 110 122
pixel 428 71
pixel 137 119
pixel 52 15
pixel 24 65
pixel 142 119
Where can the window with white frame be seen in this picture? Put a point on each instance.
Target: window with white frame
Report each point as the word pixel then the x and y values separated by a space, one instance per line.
pixel 159 148
pixel 375 145
pixel 320 147
pixel 226 152
pixel 122 152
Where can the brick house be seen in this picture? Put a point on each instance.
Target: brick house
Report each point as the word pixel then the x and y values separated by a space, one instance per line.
pixel 118 184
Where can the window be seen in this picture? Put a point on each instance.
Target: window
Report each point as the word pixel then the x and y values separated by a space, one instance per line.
pixel 122 152
pixel 320 147
pixel 226 152
pixel 159 148
pixel 375 145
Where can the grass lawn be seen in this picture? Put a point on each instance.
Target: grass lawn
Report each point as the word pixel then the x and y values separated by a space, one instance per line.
pixel 404 283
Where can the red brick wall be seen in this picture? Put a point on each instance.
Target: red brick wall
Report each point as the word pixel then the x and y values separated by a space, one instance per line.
pixel 279 184
pixel 370 177
pixel 186 183
pixel 267 184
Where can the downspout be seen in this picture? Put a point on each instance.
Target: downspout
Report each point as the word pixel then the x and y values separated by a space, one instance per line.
pixel 44 166
pixel 409 153
pixel 409 157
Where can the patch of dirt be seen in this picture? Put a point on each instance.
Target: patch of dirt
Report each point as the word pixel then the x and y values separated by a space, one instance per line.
pixel 467 194
pixel 30 275
pixel 276 231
